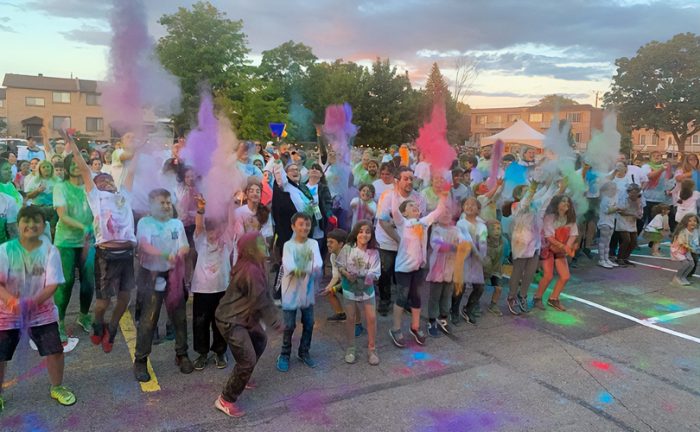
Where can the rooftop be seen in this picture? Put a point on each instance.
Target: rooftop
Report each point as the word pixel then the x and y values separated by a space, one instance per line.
pixel 41 82
pixel 536 108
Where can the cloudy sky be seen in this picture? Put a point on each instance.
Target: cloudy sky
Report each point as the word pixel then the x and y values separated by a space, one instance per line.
pixel 523 49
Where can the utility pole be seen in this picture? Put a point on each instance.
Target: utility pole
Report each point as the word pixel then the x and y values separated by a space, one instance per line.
pixel 596 99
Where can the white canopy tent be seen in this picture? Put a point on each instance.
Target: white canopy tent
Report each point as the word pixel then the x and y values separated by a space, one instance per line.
pixel 518 133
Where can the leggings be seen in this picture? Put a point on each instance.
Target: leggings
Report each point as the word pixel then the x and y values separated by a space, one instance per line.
pixel 82 258
pixel 472 301
pixel 606 233
pixel 523 272
pixel 686 268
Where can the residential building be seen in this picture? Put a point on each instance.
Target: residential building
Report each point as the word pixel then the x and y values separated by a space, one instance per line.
pixel 645 141
pixel 584 119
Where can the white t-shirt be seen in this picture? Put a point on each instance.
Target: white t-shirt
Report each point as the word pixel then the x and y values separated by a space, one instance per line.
pixel 242 214
pixel 113 218
pixel 380 187
pixel 389 204
pixel 687 206
pixel 422 171
pixel 213 269
pixel 24 275
pixel 168 237
pixel 360 211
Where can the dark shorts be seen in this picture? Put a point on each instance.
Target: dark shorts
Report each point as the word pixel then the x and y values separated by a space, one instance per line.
pixel 45 337
pixel 494 280
pixel 114 272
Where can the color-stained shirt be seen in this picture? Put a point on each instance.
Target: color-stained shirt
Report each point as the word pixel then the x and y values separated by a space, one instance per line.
pixel 24 275
pixel 213 268
pixel 8 215
pixel 113 218
pixel 300 291
pixel 74 200
pixel 166 236
pixel 365 265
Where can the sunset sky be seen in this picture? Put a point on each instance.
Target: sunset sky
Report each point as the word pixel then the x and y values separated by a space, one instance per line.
pixel 524 50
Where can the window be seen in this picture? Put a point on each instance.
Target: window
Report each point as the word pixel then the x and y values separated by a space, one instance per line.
pixel 654 140
pixel 536 117
pixel 34 101
pixel 481 119
pixel 695 140
pixel 2 103
pixel 477 138
pixel 3 124
pixel 513 117
pixel 577 137
pixel 93 124
pixel 642 140
pixel 61 97
pixel 60 122
pixel 574 117
pixel 496 119
pixel 92 99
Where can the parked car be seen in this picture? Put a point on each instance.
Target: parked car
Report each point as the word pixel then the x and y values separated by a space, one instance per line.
pixel 12 144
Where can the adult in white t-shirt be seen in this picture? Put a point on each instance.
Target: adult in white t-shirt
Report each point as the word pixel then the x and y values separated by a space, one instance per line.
pixel 384 182
pixel 386 234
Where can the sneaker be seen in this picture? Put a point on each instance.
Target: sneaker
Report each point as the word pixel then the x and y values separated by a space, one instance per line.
pixel 433 329
pixel 630 263
pixel 418 335
pixel 455 319
pixel 220 361
pixel 373 358
pixel 307 360
pixel 339 317
pixel 107 342
pixel 157 340
pixel 477 310
pixel 588 253
pixel 513 305
pixel 604 264
pixel 621 263
pixel 185 364
pixel 522 302
pixel 85 322
pixel 63 395
pixel 62 331
pixel 97 333
pixel 277 302
pixel 228 408
pixel 574 263
pixel 359 329
pixel 494 309
pixel 468 317
pixel 350 356
pixel 443 325
pixel 282 363
pixel 200 362
pixel 141 371
pixel 612 263
pixel 537 303
pixel 556 305
pixel 397 338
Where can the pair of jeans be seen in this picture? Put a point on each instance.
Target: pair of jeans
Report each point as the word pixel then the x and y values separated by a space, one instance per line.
pixel 150 312
pixel 628 241
pixel 83 259
pixel 290 323
pixel 523 272
pixel 686 268
pixel 387 259
pixel 247 345
pixel 203 308
pixel 440 299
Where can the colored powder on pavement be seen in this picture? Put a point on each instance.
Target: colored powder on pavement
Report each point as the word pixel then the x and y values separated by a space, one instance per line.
pixel 605 398
pixel 29 422
pixel 560 318
pixel 27 375
pixel 432 141
pixel 311 407
pixel 601 365
pixel 469 420
pixel 201 141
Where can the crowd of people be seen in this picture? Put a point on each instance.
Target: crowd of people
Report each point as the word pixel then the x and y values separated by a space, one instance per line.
pixel 297 234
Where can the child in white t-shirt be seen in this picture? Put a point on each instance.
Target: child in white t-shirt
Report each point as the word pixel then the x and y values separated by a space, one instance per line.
pixel 364 206
pixel 209 283
pixel 657 228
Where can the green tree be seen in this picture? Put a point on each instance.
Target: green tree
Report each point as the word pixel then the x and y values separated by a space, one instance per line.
pixel 659 88
pixel 286 66
pixel 258 105
pixel 554 101
pixel 436 90
pixel 202 46
pixel 333 83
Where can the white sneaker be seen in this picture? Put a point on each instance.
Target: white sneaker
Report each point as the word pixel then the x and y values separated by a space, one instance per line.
pixel 677 281
pixel 611 263
pixel 685 281
pixel 604 264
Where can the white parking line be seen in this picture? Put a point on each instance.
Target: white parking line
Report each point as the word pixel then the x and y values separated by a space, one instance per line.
pixel 645 323
pixel 673 315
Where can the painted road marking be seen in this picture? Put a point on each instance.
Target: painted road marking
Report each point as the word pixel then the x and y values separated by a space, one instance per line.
pixel 129 332
pixel 673 315
pixel 643 322
pixel 658 267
